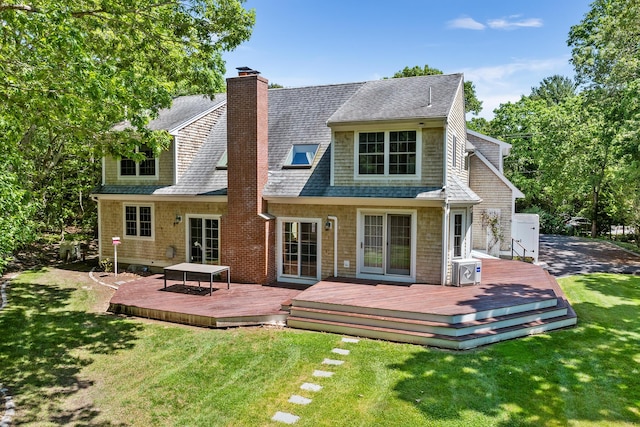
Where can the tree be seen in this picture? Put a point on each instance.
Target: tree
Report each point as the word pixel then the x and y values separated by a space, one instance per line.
pixel 555 89
pixel 606 56
pixel 471 102
pixel 70 70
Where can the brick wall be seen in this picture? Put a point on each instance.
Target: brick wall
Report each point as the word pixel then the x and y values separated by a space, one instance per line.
pixel 249 238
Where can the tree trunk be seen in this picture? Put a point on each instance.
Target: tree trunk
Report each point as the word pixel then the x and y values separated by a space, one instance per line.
pixel 594 218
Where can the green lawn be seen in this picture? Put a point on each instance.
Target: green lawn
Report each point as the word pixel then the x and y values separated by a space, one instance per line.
pixel 65 362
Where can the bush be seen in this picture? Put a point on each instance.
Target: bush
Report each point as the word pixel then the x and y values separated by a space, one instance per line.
pixel 549 223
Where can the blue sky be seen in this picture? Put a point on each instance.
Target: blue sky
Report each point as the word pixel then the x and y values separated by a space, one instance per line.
pixel 504 47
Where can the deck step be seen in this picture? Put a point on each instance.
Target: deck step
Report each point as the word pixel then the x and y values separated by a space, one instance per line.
pixel 440 328
pixel 540 303
pixel 436 340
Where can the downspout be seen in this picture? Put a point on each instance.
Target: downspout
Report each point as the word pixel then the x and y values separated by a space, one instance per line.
pixel 445 240
pixel 445 210
pixel 335 244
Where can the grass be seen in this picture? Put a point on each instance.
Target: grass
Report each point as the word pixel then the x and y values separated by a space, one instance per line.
pixel 631 247
pixel 65 362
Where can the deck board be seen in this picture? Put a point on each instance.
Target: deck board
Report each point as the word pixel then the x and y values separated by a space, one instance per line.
pixel 504 283
pixel 238 300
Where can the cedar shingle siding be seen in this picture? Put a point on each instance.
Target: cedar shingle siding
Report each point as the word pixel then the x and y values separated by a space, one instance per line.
pixel 260 189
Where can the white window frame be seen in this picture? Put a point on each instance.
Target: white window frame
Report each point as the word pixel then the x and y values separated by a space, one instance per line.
pixel 187 244
pixel 387 142
pixel 297 279
pixel 137 176
pixel 124 221
pixel 360 241
pixel 465 244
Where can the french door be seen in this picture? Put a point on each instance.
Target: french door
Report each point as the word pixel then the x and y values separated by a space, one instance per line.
pixel 386 243
pixel 203 240
pixel 299 249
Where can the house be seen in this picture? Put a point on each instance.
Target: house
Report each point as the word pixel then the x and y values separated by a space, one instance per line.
pixel 494 215
pixel 375 180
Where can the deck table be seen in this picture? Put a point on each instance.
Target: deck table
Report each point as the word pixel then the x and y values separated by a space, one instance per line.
pixel 189 267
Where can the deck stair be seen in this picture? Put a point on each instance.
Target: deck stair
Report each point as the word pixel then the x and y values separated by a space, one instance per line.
pixel 439 326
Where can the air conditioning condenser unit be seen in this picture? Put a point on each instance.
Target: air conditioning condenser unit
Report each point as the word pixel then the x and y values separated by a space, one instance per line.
pixel 466 272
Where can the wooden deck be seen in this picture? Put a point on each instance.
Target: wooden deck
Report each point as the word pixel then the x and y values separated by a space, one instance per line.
pixel 513 299
pixel 239 305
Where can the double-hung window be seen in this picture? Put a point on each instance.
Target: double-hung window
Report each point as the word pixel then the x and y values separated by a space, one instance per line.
pixel 391 153
pixel 138 221
pixel 147 168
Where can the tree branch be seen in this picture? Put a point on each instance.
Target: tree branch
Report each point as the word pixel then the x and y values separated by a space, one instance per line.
pixel 20 7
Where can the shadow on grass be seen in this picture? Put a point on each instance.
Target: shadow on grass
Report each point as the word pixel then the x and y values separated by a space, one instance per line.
pixel 588 373
pixel 44 346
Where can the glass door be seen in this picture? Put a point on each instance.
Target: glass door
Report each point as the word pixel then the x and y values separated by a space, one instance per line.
pixel 373 244
pixel 204 240
pixel 399 244
pixel 300 249
pixel 386 244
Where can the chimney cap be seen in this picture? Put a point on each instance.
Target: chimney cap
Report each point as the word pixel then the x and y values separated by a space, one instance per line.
pixel 246 71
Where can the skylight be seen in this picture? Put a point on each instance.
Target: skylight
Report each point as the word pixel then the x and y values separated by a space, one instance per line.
pixel 301 156
pixel 222 163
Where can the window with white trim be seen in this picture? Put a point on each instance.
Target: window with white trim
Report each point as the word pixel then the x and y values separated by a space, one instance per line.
pixel 147 168
pixel 389 153
pixel 138 221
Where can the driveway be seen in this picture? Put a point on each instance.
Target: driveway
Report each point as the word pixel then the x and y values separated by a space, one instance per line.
pixel 566 256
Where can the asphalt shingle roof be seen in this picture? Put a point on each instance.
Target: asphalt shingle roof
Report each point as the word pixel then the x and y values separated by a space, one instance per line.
pixel 300 116
pixel 183 109
pixel 405 98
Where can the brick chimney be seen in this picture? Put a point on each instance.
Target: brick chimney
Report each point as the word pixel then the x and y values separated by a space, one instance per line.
pixel 248 239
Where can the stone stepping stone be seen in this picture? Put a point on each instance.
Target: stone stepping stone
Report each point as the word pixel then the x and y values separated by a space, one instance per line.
pixel 285 417
pixel 323 374
pixel 341 351
pixel 332 362
pixel 350 340
pixel 311 387
pixel 299 400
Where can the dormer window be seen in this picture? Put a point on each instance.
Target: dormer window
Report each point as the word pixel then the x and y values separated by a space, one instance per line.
pixel 301 156
pixel 392 153
pixel 147 168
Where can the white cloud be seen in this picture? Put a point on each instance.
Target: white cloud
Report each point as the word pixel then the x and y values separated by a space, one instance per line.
pixel 504 83
pixel 512 22
pixel 509 24
pixel 498 73
pixel 465 23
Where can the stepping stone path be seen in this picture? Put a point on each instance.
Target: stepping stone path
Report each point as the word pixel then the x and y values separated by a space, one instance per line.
pixel 285 417
pixel 288 418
